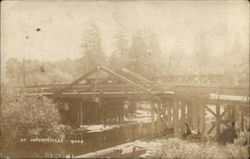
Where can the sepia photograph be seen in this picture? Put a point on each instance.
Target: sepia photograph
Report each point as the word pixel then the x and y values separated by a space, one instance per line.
pixel 165 79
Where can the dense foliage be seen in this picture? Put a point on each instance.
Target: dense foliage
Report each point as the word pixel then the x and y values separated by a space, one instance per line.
pixel 27 117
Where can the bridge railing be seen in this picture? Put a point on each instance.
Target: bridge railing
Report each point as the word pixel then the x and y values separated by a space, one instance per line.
pixel 199 79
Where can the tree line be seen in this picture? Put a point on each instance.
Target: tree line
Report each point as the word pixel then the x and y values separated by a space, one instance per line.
pixel 140 53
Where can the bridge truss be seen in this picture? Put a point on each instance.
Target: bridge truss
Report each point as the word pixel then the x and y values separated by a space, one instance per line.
pixel 172 105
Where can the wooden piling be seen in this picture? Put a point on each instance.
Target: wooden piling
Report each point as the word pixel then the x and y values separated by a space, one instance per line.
pixel 242 124
pixel 202 120
pixel 169 114
pixel 183 117
pixel 197 116
pixel 158 105
pixel 152 118
pixel 233 113
pixel 190 114
pixel 164 109
pixel 217 120
pixel 81 113
pixel 175 117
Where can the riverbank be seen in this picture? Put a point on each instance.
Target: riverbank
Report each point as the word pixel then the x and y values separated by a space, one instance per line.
pixel 184 149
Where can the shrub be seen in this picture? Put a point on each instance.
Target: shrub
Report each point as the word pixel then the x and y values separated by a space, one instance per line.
pixel 27 117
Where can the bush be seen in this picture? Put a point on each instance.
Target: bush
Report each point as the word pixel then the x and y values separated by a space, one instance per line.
pixel 27 117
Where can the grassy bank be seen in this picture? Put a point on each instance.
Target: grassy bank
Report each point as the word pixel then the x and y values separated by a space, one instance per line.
pixel 174 148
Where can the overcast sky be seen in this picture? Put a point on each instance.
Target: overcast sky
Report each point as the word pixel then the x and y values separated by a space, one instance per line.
pixel 62 24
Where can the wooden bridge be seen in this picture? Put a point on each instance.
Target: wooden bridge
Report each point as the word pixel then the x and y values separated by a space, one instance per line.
pixel 204 102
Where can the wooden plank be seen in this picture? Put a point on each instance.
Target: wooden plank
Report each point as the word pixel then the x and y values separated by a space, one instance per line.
pixel 109 77
pixel 224 112
pixel 138 95
pixel 136 75
pixel 211 129
pixel 129 72
pixel 212 112
pixel 126 80
pixel 77 81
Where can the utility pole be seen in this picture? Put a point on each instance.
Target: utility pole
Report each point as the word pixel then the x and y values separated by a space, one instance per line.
pixel 24 74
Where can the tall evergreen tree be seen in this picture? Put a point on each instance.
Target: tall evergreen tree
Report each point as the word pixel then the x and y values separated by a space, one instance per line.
pixel 201 54
pixel 93 53
pixel 138 53
pixel 153 45
pixel 119 56
pixel 175 60
pixel 237 63
pixel 153 59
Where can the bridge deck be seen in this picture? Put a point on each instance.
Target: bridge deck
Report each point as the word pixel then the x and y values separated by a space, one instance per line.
pixel 127 84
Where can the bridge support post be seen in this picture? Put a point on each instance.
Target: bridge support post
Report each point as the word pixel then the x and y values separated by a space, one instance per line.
pixel 190 114
pixel 242 122
pixel 175 117
pixel 152 118
pixel 233 113
pixel 217 120
pixel 202 120
pixel 197 116
pixel 169 114
pixel 81 112
pixel 183 116
pixel 194 114
pixel 159 123
pixel 164 109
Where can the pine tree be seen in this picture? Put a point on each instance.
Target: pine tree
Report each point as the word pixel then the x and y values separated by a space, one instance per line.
pixel 202 55
pixel 93 53
pixel 120 52
pixel 153 59
pixel 175 61
pixel 236 63
pixel 138 53
pixel 153 45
